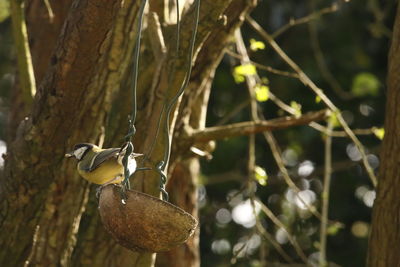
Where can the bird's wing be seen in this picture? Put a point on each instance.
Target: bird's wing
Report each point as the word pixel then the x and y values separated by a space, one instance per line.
pixel 103 156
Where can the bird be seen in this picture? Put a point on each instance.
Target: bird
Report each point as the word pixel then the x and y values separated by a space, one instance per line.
pixel 102 166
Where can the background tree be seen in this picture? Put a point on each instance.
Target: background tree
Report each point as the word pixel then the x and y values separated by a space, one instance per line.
pixel 384 238
pixel 82 61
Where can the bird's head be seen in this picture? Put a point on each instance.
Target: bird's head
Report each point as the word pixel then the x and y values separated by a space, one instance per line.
pixel 80 150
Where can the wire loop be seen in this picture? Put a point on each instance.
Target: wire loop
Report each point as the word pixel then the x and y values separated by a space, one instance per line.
pixel 163 164
pixel 132 117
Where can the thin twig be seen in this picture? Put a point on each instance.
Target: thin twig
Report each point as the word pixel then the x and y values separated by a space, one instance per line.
pixel 321 62
pixel 307 81
pixel 239 107
pixel 236 253
pixel 49 10
pixel 251 84
pixel 24 59
pixel 325 195
pixel 264 67
pixel 324 130
pixel 251 127
pixel 282 104
pixel 279 161
pixel 315 15
pixel 250 79
pixel 278 223
pixel 261 230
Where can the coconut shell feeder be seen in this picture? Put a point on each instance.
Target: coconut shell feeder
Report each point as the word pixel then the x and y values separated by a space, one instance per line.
pixel 144 223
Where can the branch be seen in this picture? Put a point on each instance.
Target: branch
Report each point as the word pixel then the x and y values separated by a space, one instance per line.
pixel 268 237
pixel 323 129
pixel 24 59
pixel 318 91
pixel 314 15
pixel 264 67
pixel 325 196
pixel 279 224
pixel 74 79
pixel 251 127
pixel 322 64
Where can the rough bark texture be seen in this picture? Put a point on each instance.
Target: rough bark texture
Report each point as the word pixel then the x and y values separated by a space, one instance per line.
pixel 42 27
pixel 384 243
pixel 42 34
pixel 34 165
pixel 210 53
pixel 84 94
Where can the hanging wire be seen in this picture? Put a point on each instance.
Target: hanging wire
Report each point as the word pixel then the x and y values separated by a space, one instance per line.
pixel 178 28
pixel 177 34
pixel 162 164
pixel 131 121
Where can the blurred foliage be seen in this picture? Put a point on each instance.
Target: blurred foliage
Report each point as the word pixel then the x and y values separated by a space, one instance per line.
pixel 354 41
pixel 262 93
pixel 256 45
pixel 4 10
pixel 241 71
pixel 261 175
pixel 365 84
pixel 7 71
pixel 379 132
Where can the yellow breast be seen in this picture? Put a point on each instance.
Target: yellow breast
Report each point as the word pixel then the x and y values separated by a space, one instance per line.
pixel 109 171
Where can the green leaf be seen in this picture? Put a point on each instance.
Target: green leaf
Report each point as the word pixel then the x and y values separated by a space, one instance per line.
pixel 262 93
pixel 365 84
pixel 246 69
pixel 256 45
pixel 261 175
pixel 334 228
pixel 333 120
pixel 4 10
pixel 239 72
pixel 379 132
pixel 297 108
pixel 264 80
pixel 317 99
pixel 238 78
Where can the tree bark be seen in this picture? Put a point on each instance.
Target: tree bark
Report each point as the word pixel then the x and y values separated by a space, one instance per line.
pixel 49 214
pixel 211 42
pixel 37 208
pixel 384 242
pixel 42 34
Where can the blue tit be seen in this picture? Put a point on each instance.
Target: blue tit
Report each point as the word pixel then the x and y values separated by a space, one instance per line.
pixel 102 166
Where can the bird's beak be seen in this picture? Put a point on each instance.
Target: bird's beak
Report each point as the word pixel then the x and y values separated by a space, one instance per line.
pixel 136 155
pixel 68 155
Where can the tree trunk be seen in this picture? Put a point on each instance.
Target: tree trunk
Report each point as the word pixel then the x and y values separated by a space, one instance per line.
pixel 48 213
pixel 42 35
pixel 38 185
pixel 182 188
pixel 384 242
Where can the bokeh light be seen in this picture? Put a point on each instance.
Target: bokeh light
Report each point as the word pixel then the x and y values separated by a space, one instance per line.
pixel 360 229
pixel 221 246
pixel 305 168
pixel 353 152
pixel 3 150
pixel 290 157
pixel 281 236
pixel 243 213
pixel 223 216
